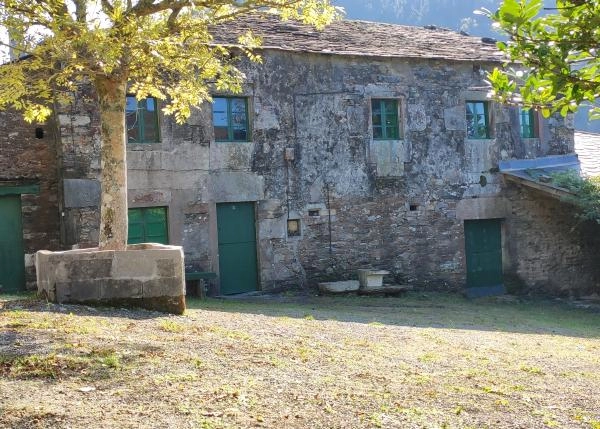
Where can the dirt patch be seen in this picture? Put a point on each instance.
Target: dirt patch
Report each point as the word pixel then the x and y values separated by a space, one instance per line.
pixel 419 361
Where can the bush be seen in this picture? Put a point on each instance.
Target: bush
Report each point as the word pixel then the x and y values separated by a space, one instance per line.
pixel 586 193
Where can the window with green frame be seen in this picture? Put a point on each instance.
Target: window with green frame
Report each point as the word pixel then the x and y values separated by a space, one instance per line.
pixel 147 225
pixel 230 119
pixel 384 115
pixel 478 126
pixel 528 124
pixel 142 120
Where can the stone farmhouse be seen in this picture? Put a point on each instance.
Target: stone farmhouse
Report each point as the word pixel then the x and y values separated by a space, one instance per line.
pixel 366 145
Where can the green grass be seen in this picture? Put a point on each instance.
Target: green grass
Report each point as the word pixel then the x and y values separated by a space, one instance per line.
pixel 424 360
pixel 424 310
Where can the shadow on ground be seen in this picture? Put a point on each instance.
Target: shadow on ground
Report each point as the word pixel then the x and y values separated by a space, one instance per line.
pixel 423 310
pixel 434 310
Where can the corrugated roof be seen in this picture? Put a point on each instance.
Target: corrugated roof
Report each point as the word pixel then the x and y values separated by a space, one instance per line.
pixel 361 38
pixel 587 147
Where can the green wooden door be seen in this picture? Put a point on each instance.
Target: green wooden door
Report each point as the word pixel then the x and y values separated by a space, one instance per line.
pixel 147 225
pixel 12 264
pixel 483 246
pixel 237 248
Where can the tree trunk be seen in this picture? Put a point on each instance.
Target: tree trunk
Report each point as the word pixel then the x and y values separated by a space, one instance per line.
pixel 113 200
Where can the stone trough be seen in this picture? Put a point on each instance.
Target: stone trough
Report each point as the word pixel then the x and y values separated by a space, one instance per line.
pixel 369 278
pixel 148 275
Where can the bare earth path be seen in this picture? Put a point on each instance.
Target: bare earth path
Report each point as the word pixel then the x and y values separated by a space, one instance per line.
pixel 419 361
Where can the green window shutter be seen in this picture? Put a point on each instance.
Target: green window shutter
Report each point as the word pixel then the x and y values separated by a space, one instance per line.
pixel 142 120
pixel 230 119
pixel 527 121
pixel 148 225
pixel 384 118
pixel 477 120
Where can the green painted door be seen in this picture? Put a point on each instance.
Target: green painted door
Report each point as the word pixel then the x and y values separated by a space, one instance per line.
pixel 237 248
pixel 148 225
pixel 483 246
pixel 12 263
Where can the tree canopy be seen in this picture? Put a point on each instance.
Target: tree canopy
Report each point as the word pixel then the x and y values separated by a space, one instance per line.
pixel 158 48
pixel 162 48
pixel 558 54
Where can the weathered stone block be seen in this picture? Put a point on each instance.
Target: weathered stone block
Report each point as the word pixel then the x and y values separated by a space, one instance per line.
pixel 163 287
pixel 166 268
pixel 119 289
pixel 343 286
pixel 84 290
pixel 146 275
pixel 74 120
pixel 273 228
pixel 236 186
pixel 483 208
pixel 92 269
pixel 455 119
pixel 81 193
pixel 371 278
pixel 131 265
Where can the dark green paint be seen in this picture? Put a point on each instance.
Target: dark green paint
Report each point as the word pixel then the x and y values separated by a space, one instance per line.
pixel 141 117
pixel 237 248
pixel 384 115
pixel 478 123
pixel 20 189
pixel 483 247
pixel 12 264
pixel 527 118
pixel 148 225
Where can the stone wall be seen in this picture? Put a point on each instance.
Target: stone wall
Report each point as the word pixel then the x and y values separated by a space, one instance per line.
pixel 396 205
pixel 549 249
pixel 29 159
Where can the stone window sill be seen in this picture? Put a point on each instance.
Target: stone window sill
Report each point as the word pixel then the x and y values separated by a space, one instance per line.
pixel 144 146
pixel 489 140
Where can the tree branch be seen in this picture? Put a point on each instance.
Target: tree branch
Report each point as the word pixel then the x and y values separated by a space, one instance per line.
pixel 107 8
pixel 81 11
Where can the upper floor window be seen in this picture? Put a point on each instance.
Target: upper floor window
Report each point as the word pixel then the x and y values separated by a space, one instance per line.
pixel 142 120
pixel 230 119
pixel 528 123
pixel 478 126
pixel 384 114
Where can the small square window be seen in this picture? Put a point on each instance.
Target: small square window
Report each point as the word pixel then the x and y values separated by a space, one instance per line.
pixel 477 120
pixel 293 227
pixel 147 225
pixel 385 119
pixel 230 119
pixel 528 123
pixel 142 120
pixel 314 212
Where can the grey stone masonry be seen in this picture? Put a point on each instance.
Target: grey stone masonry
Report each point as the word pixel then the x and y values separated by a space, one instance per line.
pixel 361 202
pixel 150 276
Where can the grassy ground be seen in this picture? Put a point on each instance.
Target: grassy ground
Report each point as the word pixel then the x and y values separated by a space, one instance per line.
pixel 312 362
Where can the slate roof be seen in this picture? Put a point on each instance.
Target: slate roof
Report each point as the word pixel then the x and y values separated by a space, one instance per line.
pixel 361 38
pixel 587 148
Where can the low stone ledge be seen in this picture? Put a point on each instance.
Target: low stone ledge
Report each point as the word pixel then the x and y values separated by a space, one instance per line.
pixel 148 275
pixel 340 287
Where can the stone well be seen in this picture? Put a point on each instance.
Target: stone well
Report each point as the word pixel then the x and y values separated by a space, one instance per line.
pixel 149 276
